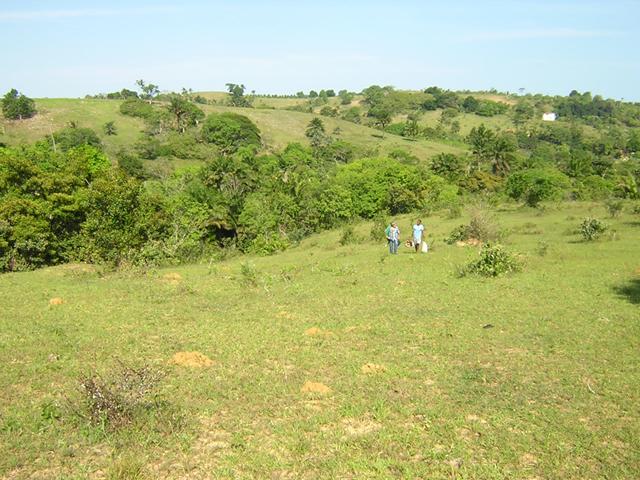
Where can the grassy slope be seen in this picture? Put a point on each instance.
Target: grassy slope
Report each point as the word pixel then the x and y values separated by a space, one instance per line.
pixel 278 127
pixel 54 114
pixel 550 391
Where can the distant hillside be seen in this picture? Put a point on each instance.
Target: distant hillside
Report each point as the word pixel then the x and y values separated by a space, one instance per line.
pixel 278 126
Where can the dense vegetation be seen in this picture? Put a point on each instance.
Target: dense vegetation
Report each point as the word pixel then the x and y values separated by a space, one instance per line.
pixel 64 199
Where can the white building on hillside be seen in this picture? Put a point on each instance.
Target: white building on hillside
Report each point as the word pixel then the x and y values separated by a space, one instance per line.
pixel 549 117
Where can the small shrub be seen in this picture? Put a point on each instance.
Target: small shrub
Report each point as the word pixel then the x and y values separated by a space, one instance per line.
pixel 128 467
pixel 614 207
pixel 542 248
pixel 249 275
pixel 591 228
pixel 348 236
pixel 636 209
pixel 494 260
pixel 117 399
pixel 454 211
pixel 377 229
pixel 458 234
pixel 483 226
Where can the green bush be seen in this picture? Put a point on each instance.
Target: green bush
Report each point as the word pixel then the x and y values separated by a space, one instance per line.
pixel 69 137
pixel 614 207
pixel 458 234
pixel 136 108
pixel 230 132
pixel 494 260
pixel 591 228
pixel 536 185
pixel 348 236
pixel 377 229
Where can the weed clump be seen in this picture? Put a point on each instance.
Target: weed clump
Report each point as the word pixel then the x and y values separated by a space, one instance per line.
pixel 482 227
pixel 348 236
pixel 614 207
pixel 494 260
pixel 248 275
pixel 378 228
pixel 117 399
pixel 591 228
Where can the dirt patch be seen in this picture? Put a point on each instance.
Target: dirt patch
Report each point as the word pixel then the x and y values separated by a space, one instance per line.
pixel 317 332
pixel 475 418
pixel 372 368
pixel 172 277
pixel 470 242
pixel 56 301
pixel 359 427
pixel 315 387
pixel 466 434
pixel 191 359
pixel 528 460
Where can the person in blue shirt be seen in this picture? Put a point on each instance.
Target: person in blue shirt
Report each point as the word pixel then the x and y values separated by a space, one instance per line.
pixel 393 237
pixel 418 229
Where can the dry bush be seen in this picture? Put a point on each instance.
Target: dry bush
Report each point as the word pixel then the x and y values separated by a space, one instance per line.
pixel 117 398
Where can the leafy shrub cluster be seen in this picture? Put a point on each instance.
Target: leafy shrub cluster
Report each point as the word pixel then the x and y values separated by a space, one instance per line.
pixel 494 260
pixel 591 228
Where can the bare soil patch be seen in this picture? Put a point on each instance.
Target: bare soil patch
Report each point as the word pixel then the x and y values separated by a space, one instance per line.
pixel 191 359
pixel 315 387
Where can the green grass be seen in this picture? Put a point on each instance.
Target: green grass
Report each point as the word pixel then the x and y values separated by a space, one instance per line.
pixel 55 114
pixel 550 390
pixel 278 127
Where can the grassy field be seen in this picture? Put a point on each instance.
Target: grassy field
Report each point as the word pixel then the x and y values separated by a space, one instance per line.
pixel 423 374
pixel 278 127
pixel 55 114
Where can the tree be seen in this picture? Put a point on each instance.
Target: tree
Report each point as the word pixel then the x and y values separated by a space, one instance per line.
pixel 313 94
pixel 236 95
pixel 185 113
pixel 16 106
pixel 109 128
pixel 316 133
pixel 230 132
pixel 149 91
pixel 71 137
pixel 381 114
pixel 345 97
pixel 522 112
pixel 481 140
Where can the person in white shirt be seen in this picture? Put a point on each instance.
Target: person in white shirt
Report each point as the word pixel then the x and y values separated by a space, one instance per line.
pixel 418 229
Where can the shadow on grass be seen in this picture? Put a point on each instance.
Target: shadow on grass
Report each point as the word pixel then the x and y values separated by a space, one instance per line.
pixel 629 290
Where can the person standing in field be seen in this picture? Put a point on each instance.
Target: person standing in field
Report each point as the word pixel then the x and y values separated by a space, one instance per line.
pixel 418 229
pixel 393 237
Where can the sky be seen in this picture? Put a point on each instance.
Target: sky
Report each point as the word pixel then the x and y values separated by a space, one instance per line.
pixel 73 48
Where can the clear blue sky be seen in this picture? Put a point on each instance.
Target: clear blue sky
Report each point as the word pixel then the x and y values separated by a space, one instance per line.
pixel 72 48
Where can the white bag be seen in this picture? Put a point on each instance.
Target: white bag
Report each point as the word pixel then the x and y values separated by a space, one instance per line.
pixel 425 247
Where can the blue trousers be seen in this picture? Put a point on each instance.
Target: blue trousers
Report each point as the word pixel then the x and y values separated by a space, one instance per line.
pixel 393 246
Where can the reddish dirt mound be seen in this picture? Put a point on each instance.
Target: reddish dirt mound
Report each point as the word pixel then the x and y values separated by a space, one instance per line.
pixel 56 301
pixel 470 242
pixel 191 359
pixel 172 277
pixel 317 332
pixel 371 368
pixel 315 387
